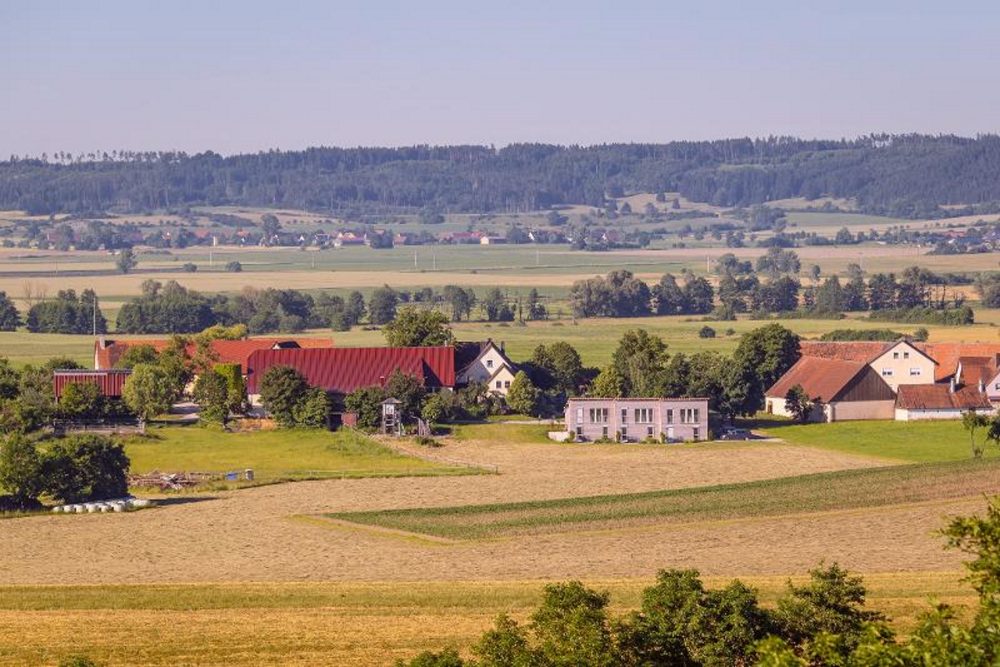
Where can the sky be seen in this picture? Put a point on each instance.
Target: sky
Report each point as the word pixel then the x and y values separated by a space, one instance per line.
pixel 246 76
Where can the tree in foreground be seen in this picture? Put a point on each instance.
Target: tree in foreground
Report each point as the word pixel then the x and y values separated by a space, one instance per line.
pixel 822 623
pixel 21 472
pixel 414 327
pixel 86 467
pixel 81 399
pixel 149 391
pixel 212 396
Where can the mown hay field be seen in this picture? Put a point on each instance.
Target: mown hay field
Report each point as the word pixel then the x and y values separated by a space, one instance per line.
pixel 824 492
pixel 329 623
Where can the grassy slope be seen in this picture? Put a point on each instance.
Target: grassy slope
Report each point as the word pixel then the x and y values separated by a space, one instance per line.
pixel 915 442
pixel 840 490
pixel 325 623
pixel 274 455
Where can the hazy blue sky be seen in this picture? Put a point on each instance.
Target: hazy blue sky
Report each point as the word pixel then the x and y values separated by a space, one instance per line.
pixel 248 75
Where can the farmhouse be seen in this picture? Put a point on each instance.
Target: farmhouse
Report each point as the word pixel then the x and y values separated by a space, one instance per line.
pixel 841 390
pixel 636 419
pixel 918 380
pixel 484 362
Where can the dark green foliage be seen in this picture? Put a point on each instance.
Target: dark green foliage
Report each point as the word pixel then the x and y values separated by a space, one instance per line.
pixel 461 300
pixel 366 402
pixel 907 175
pixel 313 411
pixel 126 260
pixel 557 366
pixel 522 397
pixel 78 661
pixel 10 319
pixel 81 399
pixel 81 468
pixel 211 393
pixel 68 314
pixel 446 658
pixel 414 327
pixel 135 355
pixel 798 403
pixel 406 389
pixel 620 294
pixel 960 316
pixel 382 305
pixel 281 389
pixel 863 334
pixel 762 356
pixel 706 332
pixel 150 390
pixel 639 362
pixel 234 267
pixel 495 307
pixel 10 380
pixel 21 471
pixel 169 308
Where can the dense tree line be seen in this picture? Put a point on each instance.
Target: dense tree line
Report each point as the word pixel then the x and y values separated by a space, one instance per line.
pixel 67 313
pixel 902 175
pixel 621 294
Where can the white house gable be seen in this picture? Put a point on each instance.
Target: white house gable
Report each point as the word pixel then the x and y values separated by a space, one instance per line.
pixel 902 363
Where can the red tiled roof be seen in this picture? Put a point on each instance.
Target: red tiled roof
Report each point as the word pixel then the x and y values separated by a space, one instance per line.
pixel 110 382
pixel 821 378
pixel 863 351
pixel 341 370
pixel 977 369
pixel 940 397
pixel 227 351
pixel 948 354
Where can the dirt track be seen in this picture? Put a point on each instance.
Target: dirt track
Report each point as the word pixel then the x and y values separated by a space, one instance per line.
pixel 254 534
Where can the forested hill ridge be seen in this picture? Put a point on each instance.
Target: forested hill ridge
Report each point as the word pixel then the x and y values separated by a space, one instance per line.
pixel 900 175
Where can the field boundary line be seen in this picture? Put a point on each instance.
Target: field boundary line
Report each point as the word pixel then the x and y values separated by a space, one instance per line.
pixel 321 521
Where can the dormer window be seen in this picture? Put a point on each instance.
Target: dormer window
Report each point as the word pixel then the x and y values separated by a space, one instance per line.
pixel 906 355
pixel 895 355
pixel 489 363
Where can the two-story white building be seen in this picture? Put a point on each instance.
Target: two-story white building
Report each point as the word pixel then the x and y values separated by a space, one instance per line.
pixel 484 362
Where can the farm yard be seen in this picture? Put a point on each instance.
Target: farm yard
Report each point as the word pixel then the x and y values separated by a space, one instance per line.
pixel 462 548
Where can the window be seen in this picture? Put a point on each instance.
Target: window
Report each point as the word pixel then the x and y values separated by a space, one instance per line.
pixel 624 433
pixel 643 415
pixel 670 416
pixel 695 433
pixel 579 431
pixel 895 355
pixel 689 415
pixel 906 355
pixel 887 372
pixel 649 431
pixel 599 416
pixel 604 432
pixel 489 363
pixel 499 384
pixel 914 372
pixel 579 415
pixel 506 384
pixel 625 415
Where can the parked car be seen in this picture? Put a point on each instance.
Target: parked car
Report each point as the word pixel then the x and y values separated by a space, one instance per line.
pixel 736 434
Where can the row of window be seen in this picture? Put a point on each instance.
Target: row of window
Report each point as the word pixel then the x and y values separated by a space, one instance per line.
pixel 624 433
pixel 641 415
pixel 887 372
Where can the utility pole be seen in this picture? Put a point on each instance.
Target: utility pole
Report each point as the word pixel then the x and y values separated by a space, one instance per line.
pixel 95 315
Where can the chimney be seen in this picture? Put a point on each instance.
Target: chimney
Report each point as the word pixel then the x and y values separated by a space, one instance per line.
pixel 951 386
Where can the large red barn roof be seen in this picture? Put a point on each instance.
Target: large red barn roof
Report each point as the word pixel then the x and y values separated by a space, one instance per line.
pixel 110 382
pixel 107 353
pixel 341 370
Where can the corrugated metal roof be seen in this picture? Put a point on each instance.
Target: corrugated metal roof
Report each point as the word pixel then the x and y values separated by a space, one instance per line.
pixel 940 397
pixel 343 369
pixel 110 382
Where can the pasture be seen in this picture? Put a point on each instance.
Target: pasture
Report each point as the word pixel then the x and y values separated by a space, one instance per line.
pixel 276 455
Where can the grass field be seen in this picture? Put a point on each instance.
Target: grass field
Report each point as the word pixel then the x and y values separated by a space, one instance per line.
pixel 914 442
pixel 329 623
pixel 275 455
pixel 842 490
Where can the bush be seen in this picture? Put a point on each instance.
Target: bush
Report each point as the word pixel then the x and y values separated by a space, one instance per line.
pixel 366 402
pixel 425 441
pixel 281 389
pixel 960 316
pixel 82 468
pixel 313 411
pixel 21 473
pixel 862 334
pixel 234 267
pixel 189 267
pixel 706 332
